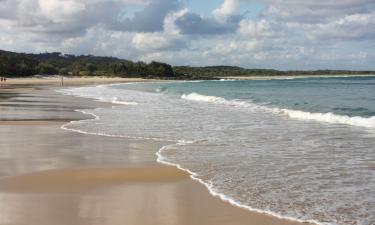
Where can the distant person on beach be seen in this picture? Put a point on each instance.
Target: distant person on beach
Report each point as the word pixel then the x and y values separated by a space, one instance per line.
pixel 1 79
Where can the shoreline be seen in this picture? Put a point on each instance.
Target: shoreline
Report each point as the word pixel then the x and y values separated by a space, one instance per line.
pixel 70 81
pixel 193 176
pixel 215 203
pixel 283 77
pixel 92 80
pixel 227 199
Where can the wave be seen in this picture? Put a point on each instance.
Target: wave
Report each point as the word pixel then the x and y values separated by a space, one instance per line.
pixel 161 89
pixel 115 100
pixel 295 114
pixel 95 118
pixel 214 99
pixel 214 192
pixel 194 176
pixel 331 118
pixel 228 79
pixel 161 159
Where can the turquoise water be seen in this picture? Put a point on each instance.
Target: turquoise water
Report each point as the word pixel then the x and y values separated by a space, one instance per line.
pixel 352 96
pixel 296 148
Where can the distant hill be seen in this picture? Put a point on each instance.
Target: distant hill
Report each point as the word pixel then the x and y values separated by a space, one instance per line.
pixel 230 71
pixel 22 64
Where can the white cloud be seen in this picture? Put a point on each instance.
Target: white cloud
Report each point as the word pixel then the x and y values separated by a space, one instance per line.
pixel 287 34
pixel 99 41
pixel 350 27
pixel 170 39
pixel 157 41
pixel 317 11
pixel 255 28
pixel 61 10
pixel 170 26
pixel 227 9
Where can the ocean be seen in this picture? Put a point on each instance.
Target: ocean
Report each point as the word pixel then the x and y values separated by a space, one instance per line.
pixel 300 148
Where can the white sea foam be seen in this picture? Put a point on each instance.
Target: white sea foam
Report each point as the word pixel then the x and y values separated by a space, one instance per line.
pixel 161 159
pixel 115 100
pixel 203 98
pixel 214 192
pixel 68 126
pixel 228 79
pixel 82 92
pixel 215 99
pixel 330 118
pixel 295 114
pixel 163 155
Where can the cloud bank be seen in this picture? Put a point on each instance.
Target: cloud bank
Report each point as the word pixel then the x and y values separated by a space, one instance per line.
pixel 280 34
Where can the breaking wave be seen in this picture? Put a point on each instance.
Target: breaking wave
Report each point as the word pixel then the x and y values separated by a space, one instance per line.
pixel 295 114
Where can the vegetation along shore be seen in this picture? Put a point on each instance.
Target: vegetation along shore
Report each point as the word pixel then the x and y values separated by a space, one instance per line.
pixel 23 65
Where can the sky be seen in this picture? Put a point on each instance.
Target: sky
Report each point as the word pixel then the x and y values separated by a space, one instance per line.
pixel 274 34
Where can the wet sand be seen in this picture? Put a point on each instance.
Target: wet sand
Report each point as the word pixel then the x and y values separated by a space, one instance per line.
pixel 50 176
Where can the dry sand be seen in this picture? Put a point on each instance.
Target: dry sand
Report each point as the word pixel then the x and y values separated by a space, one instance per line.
pixel 50 176
pixel 56 80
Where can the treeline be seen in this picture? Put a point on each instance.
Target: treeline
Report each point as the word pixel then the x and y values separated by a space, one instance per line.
pixel 22 64
pixel 232 71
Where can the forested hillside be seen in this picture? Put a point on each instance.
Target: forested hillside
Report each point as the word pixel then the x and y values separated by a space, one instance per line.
pixel 22 64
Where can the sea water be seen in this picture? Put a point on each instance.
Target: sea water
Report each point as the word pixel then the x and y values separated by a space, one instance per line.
pixel 296 148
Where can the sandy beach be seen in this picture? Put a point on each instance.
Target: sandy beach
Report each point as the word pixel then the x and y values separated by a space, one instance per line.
pixel 51 176
pixel 71 81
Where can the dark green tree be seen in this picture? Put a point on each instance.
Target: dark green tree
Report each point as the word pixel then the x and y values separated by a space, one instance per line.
pixel 47 69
